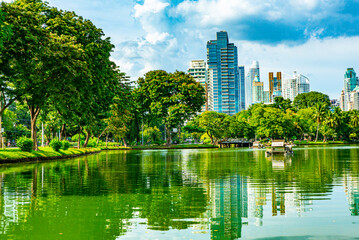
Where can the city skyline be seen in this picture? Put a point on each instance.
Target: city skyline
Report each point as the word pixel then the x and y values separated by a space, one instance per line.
pixel 316 38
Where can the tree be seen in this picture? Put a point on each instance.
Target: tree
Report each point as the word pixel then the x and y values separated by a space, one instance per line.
pixel 281 103
pixel 152 135
pixel 173 97
pixel 37 63
pixel 5 29
pixel 214 124
pixel 119 120
pixel 270 122
pixel 321 109
pixel 306 100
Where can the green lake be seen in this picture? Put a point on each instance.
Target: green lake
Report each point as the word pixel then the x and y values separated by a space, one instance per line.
pixel 185 194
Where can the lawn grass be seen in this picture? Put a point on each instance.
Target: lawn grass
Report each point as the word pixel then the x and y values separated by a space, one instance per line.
pixel 297 142
pixel 147 147
pixel 43 153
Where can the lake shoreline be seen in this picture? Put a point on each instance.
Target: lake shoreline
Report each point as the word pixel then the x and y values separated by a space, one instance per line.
pixel 31 158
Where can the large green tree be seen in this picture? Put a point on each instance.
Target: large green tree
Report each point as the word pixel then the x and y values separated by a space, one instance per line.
pixel 173 97
pixel 306 100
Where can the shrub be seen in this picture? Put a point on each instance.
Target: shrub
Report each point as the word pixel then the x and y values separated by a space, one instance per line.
pixel 92 142
pixel 25 144
pixel 65 145
pixel 56 144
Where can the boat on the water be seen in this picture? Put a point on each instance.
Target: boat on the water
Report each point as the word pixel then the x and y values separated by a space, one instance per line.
pixel 280 147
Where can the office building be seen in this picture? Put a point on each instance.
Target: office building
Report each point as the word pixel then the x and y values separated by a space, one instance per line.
pixel 198 70
pixel 266 97
pixel 294 85
pixel 252 73
pixel 258 91
pixel 222 59
pixel 275 85
pixel 242 89
pixel 350 82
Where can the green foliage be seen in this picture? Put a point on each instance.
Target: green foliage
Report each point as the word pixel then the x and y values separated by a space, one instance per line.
pixel 152 135
pixel 56 144
pixel 65 144
pixel 306 100
pixel 172 97
pixel 25 144
pixel 92 142
pixel 75 137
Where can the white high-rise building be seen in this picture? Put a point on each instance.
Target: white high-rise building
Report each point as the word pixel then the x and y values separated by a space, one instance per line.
pixel 252 73
pixel 198 70
pixel 350 83
pixel 294 85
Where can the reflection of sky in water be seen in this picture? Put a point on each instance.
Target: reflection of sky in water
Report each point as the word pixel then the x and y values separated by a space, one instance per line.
pixel 185 194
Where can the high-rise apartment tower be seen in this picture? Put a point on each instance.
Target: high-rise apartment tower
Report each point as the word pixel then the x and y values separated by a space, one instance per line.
pixel 222 60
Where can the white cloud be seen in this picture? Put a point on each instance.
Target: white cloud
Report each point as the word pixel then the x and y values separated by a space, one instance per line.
pixel 156 37
pixel 216 12
pixel 149 7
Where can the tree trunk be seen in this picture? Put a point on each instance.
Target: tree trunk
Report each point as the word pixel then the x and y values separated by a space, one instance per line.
pixel 98 139
pixel 124 142
pixel 34 113
pixel 106 140
pixel 62 132
pixel 316 136
pixel 79 140
pixel 168 136
pixel 209 135
pixel 87 139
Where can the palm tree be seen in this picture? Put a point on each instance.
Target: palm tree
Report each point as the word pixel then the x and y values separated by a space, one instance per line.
pixel 321 110
pixel 354 118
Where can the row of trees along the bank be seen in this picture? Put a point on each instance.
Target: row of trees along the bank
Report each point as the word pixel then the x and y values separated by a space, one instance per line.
pixel 56 61
pixel 57 64
pixel 308 117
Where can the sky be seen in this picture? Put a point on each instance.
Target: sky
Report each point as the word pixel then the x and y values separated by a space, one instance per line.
pixel 317 38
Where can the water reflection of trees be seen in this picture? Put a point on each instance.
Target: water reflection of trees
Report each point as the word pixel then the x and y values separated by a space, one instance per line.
pixel 210 190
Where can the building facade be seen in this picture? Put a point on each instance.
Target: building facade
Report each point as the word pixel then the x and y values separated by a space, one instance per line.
pixel 198 70
pixel 275 85
pixel 257 91
pixel 242 88
pixel 295 85
pixel 222 60
pixel 350 82
pixel 253 71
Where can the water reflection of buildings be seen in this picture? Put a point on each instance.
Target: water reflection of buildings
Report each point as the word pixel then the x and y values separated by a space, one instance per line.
pixel 352 189
pixel 229 202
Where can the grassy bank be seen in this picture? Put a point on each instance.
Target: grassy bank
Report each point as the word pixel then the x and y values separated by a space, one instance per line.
pixel 45 153
pixel 319 142
pixel 149 147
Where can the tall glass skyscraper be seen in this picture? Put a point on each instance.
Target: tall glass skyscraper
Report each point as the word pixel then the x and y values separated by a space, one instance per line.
pixel 252 73
pixel 350 82
pixel 242 89
pixel 222 60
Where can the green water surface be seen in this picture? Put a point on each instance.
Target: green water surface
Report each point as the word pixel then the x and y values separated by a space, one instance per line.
pixel 185 194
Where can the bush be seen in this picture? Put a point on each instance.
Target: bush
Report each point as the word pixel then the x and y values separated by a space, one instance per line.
pixel 92 142
pixel 56 144
pixel 65 145
pixel 25 144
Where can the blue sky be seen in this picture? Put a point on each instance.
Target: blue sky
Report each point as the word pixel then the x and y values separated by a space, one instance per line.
pixel 318 38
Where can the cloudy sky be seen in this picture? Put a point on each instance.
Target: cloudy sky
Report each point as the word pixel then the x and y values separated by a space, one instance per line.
pixel 318 38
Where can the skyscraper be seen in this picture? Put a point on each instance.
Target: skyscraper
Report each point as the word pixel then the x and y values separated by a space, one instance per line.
pixel 242 90
pixel 198 70
pixel 294 85
pixel 275 85
pixel 222 59
pixel 350 82
pixel 258 91
pixel 252 72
